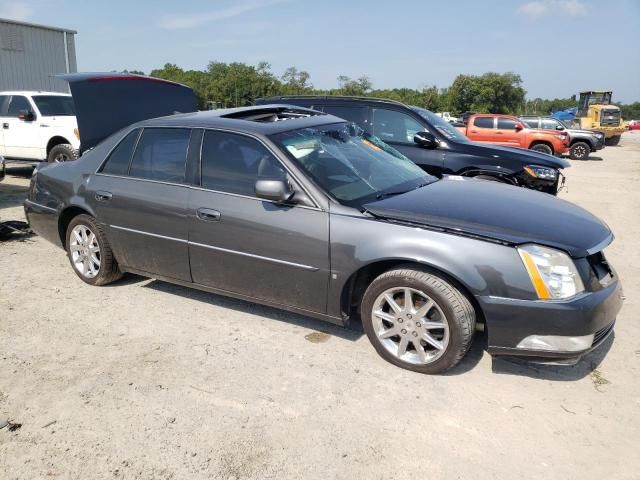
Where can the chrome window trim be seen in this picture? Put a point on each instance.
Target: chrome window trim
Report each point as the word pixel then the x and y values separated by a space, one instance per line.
pixel 219 249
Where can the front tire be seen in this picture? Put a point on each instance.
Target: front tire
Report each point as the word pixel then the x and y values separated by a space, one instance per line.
pixel 417 320
pixel 62 153
pixel 89 252
pixel 613 141
pixel 579 151
pixel 542 148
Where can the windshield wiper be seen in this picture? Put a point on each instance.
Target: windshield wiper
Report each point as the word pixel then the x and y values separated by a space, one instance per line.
pixel 383 195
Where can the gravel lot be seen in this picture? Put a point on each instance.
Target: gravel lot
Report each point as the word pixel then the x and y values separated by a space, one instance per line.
pixel 144 379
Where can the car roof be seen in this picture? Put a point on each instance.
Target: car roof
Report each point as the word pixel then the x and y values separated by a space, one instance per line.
pixel 241 119
pixel 330 98
pixel 34 92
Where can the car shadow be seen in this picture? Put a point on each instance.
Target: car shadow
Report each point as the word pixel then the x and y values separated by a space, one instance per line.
pixel 587 366
pixel 351 333
pixel 12 195
pixel 591 158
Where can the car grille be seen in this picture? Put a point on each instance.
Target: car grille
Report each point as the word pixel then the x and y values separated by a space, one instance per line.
pixel 602 333
pixel 601 268
pixel 610 118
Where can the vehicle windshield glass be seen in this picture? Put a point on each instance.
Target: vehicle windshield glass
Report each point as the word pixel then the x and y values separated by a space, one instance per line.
pixel 55 105
pixel 352 166
pixel 443 127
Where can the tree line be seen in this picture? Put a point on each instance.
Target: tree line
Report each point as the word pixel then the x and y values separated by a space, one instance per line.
pixel 239 84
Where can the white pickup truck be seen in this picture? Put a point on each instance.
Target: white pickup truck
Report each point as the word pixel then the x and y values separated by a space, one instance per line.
pixel 38 126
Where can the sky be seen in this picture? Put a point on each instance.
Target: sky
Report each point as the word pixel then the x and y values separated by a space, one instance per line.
pixel 559 47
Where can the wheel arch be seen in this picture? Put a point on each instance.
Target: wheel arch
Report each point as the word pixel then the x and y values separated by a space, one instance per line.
pixel 64 219
pixel 542 142
pixel 56 140
pixel 359 280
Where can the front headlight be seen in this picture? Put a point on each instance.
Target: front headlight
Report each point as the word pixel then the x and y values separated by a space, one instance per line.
pixel 552 272
pixel 543 173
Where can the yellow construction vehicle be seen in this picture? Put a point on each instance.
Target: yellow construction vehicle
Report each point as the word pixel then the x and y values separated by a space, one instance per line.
pixel 595 112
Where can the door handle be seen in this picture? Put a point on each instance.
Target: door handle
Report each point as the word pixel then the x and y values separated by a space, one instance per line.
pixel 5 126
pixel 208 215
pixel 103 196
pixel 474 131
pixel 498 133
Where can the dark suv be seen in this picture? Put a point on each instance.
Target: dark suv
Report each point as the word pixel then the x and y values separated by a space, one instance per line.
pixel 582 142
pixel 436 145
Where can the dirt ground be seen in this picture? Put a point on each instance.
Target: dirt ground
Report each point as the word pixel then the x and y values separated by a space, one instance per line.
pixel 144 379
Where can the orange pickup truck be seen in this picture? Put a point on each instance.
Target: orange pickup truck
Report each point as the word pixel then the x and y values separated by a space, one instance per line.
pixel 512 132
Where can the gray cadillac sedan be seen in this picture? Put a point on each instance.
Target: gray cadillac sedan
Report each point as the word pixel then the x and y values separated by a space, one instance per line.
pixel 303 211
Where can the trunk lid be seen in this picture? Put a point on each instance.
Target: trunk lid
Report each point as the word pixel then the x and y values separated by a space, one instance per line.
pixel 108 102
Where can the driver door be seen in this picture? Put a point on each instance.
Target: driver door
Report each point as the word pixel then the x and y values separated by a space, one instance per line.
pixel 20 136
pixel 398 128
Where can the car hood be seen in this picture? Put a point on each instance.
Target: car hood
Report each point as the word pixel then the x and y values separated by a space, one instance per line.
pixel 501 212
pixel 518 154
pixel 108 102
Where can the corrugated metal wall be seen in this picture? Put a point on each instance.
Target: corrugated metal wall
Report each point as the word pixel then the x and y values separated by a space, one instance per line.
pixel 29 55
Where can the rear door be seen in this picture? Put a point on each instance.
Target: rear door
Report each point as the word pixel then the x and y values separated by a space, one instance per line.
pixel 506 132
pixel 140 195
pixel 3 123
pixel 397 128
pixel 248 246
pixel 21 137
pixel 482 129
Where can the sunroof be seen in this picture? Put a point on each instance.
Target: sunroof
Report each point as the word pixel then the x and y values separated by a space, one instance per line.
pixel 272 114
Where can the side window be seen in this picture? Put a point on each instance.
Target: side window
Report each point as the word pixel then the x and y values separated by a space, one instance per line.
pixel 161 154
pixel 118 161
pixel 483 122
pixel 232 163
pixel 506 124
pixel 3 99
pixel 549 124
pixel 353 114
pixel 394 126
pixel 530 122
pixel 18 104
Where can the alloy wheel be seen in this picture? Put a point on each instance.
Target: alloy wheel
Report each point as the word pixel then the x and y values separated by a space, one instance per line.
pixel 85 251
pixel 410 325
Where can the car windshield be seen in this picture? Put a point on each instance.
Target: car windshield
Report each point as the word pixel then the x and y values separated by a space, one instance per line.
pixel 55 105
pixel 442 126
pixel 350 165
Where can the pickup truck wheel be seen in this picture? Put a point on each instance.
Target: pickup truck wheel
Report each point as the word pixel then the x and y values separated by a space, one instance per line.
pixel 417 320
pixel 579 151
pixel 90 253
pixel 542 148
pixel 613 141
pixel 62 153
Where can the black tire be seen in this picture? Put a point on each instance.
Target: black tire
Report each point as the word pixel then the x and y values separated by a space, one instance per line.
pixel 458 312
pixel 62 153
pixel 579 151
pixel 542 148
pixel 613 141
pixel 108 270
pixel 490 178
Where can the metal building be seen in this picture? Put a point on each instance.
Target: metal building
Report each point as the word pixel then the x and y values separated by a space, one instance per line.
pixel 30 54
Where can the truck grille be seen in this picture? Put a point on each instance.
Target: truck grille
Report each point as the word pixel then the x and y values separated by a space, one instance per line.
pixel 610 118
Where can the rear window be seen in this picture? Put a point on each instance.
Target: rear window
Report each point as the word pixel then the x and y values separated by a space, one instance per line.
pixel 506 124
pixel 118 161
pixel 531 122
pixel 483 122
pixel 161 154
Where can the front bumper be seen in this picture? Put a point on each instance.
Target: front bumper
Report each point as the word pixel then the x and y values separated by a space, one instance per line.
pixel 510 321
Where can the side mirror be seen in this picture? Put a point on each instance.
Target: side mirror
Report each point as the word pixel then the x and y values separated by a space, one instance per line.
pixel 26 116
pixel 560 128
pixel 276 190
pixel 518 127
pixel 425 140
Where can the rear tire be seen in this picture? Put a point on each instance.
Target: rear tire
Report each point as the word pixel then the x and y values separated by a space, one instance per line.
pixel 63 152
pixel 89 252
pixel 428 333
pixel 579 151
pixel 613 141
pixel 542 148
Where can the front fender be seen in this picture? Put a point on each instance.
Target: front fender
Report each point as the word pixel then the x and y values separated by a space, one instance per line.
pixel 484 268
